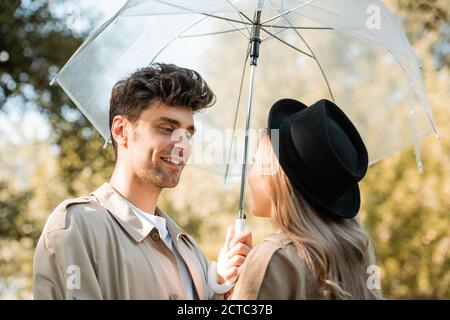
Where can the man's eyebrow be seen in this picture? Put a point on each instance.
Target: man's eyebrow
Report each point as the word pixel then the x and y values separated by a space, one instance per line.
pixel 177 123
pixel 170 120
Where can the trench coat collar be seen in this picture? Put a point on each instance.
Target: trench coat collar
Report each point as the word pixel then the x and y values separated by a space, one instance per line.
pixel 137 227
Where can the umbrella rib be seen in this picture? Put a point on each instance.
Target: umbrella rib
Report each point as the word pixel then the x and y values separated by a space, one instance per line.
pixel 237 29
pixel 277 32
pixel 246 17
pixel 202 13
pixel 289 28
pixel 322 9
pixel 180 35
pixel 240 17
pixel 286 12
pixel 212 33
pixel 283 15
pixel 278 17
pixel 269 37
pixel 237 109
pixel 227 19
pixel 317 61
pixel 297 28
pixel 429 116
pixel 287 43
pixel 176 37
pixel 313 56
pixel 246 27
pixel 241 14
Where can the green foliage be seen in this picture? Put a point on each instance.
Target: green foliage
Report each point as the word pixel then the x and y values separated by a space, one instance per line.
pixel 31 35
pixel 11 214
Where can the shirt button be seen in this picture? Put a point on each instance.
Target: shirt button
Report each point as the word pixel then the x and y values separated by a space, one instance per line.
pixel 173 297
pixel 155 236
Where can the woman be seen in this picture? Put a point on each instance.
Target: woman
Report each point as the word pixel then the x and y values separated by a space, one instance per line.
pixel 305 179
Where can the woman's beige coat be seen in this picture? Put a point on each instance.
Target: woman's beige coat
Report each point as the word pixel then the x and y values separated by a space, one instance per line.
pixel 273 270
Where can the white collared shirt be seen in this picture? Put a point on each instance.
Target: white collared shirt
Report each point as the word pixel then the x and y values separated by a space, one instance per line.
pixel 160 225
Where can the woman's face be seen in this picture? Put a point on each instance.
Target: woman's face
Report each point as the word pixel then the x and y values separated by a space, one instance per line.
pixel 260 200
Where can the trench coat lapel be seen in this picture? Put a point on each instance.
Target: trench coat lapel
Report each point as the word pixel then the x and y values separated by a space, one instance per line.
pixel 139 229
pixel 136 227
pixel 187 251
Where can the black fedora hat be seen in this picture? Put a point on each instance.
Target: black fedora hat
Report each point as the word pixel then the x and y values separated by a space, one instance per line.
pixel 322 154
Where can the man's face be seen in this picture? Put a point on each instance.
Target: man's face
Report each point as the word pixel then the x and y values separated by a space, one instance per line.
pixel 158 144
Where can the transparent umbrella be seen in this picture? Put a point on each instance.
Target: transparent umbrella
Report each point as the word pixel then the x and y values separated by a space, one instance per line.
pixel 254 52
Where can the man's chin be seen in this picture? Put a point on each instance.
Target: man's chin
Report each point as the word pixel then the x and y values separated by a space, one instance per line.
pixel 172 178
pixel 162 178
pixel 171 184
pixel 170 181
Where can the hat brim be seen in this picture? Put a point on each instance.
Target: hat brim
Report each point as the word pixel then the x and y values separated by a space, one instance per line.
pixel 347 206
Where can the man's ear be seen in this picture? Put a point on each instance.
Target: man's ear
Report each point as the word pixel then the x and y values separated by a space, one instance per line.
pixel 119 130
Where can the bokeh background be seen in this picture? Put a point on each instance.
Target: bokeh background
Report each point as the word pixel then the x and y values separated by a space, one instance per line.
pixel 49 152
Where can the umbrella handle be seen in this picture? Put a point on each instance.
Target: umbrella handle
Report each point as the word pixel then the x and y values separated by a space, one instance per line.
pixel 218 288
pixel 239 226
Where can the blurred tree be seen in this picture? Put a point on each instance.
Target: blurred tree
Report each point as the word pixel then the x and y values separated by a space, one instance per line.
pixel 408 214
pixel 34 44
pixel 424 19
pixel 26 198
pixel 29 36
pixel 13 205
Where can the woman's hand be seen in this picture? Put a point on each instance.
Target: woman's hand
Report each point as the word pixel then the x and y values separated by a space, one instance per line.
pixel 233 254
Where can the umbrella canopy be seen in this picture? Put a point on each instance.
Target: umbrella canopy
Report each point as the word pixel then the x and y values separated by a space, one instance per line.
pixel 352 52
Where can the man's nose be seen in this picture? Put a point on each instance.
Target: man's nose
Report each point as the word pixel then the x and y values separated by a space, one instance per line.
pixel 181 144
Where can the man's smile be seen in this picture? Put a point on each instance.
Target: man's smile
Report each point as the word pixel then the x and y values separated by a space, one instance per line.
pixel 172 163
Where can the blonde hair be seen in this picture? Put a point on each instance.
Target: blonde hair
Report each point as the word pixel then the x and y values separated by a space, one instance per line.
pixel 338 252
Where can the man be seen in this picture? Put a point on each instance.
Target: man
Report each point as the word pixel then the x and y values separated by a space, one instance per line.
pixel 116 243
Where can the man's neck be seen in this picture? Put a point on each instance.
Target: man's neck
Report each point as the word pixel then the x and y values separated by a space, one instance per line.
pixel 141 196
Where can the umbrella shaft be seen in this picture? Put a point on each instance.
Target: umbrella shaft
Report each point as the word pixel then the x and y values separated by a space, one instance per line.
pixel 255 42
pixel 246 143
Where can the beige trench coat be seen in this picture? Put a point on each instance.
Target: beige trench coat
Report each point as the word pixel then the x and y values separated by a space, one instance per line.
pixel 273 270
pixel 95 247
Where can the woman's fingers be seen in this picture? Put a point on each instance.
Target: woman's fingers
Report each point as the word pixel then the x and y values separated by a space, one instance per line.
pixel 235 261
pixel 243 237
pixel 235 250
pixel 229 236
pixel 239 249
pixel 231 273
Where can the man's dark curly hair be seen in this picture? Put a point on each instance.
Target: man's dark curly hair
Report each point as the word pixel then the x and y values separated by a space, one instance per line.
pixel 166 83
